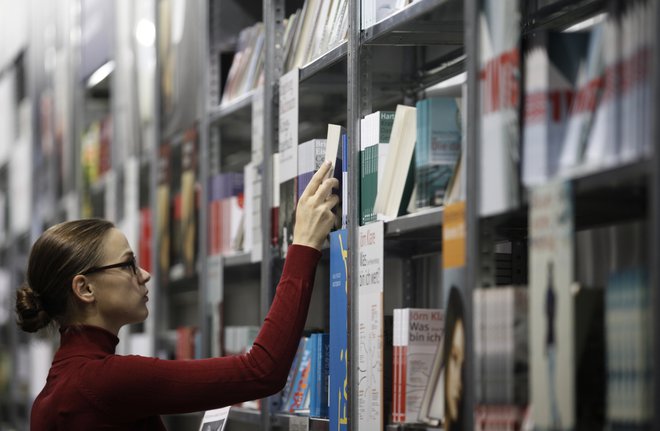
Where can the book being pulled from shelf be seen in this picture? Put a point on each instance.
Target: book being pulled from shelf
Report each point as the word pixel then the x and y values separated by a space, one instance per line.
pixel 416 338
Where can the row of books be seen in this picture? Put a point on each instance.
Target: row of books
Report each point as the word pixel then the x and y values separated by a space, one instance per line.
pixel 588 101
pixel 306 389
pixel 629 355
pixel 373 11
pixel 501 355
pixel 239 339
pixel 416 341
pixel 247 68
pixel 408 157
pixel 315 29
pixel 226 213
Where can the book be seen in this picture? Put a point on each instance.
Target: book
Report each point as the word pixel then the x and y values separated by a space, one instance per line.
pixel 603 142
pixel 311 155
pixel 319 378
pixel 336 146
pixel 285 394
pixel 499 76
pixel 551 72
pixel 629 352
pixel 437 149
pixel 338 395
pixel 589 92
pixel 375 130
pixel 418 336
pixel 288 158
pixel 189 210
pixel 370 328
pixel 501 352
pixel 215 420
pixel 298 401
pixel 398 178
pixel 443 397
pixel 551 306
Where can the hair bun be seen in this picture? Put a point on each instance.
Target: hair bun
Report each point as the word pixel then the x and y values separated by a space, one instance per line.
pixel 30 313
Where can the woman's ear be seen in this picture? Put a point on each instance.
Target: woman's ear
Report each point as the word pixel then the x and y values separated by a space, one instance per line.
pixel 82 290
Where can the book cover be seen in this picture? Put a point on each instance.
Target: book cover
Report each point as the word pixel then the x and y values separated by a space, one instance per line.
pixel 590 84
pixel 334 153
pixel 551 326
pixel 338 404
pixel 310 158
pixel 375 131
pixel 437 149
pixel 285 394
pixel 499 28
pixel 288 158
pixel 445 392
pixel 551 72
pixel 420 335
pixel 603 142
pixel 398 177
pixel 318 400
pixel 370 326
pixel 298 399
pixel 163 213
pixel 215 420
pixel 189 213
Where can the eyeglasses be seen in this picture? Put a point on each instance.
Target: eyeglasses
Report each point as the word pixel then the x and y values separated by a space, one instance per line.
pixel 130 263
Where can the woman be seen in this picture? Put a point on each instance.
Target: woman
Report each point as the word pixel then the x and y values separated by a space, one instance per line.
pixel 454 357
pixel 83 275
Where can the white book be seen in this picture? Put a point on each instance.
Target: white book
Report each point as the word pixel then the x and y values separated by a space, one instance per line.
pixel 399 156
pixel 215 420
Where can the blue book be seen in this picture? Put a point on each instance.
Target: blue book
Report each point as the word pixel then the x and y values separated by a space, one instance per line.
pixel 299 387
pixel 338 413
pixel 318 406
pixel 437 149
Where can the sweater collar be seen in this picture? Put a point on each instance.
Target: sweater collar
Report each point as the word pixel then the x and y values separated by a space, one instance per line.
pixel 86 340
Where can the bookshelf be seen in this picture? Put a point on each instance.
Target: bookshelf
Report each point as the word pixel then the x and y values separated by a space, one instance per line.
pixel 397 60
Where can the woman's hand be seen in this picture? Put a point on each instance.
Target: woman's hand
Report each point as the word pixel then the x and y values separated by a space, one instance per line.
pixel 314 216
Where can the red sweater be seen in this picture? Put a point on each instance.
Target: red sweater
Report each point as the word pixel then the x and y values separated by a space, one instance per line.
pixel 90 388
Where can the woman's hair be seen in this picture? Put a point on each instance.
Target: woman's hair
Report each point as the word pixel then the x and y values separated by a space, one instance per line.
pixel 60 253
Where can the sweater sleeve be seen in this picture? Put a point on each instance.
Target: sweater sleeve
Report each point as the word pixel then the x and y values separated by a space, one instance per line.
pixel 135 386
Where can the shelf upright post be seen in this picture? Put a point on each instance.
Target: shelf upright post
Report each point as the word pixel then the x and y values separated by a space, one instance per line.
pixel 273 16
pixel 156 322
pixel 654 228
pixel 359 104
pixel 471 20
pixel 203 170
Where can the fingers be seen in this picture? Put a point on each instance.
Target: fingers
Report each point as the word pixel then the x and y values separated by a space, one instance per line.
pixel 331 202
pixel 325 189
pixel 316 180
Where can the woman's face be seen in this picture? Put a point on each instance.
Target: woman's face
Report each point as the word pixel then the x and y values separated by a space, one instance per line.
pixel 121 295
pixel 454 385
